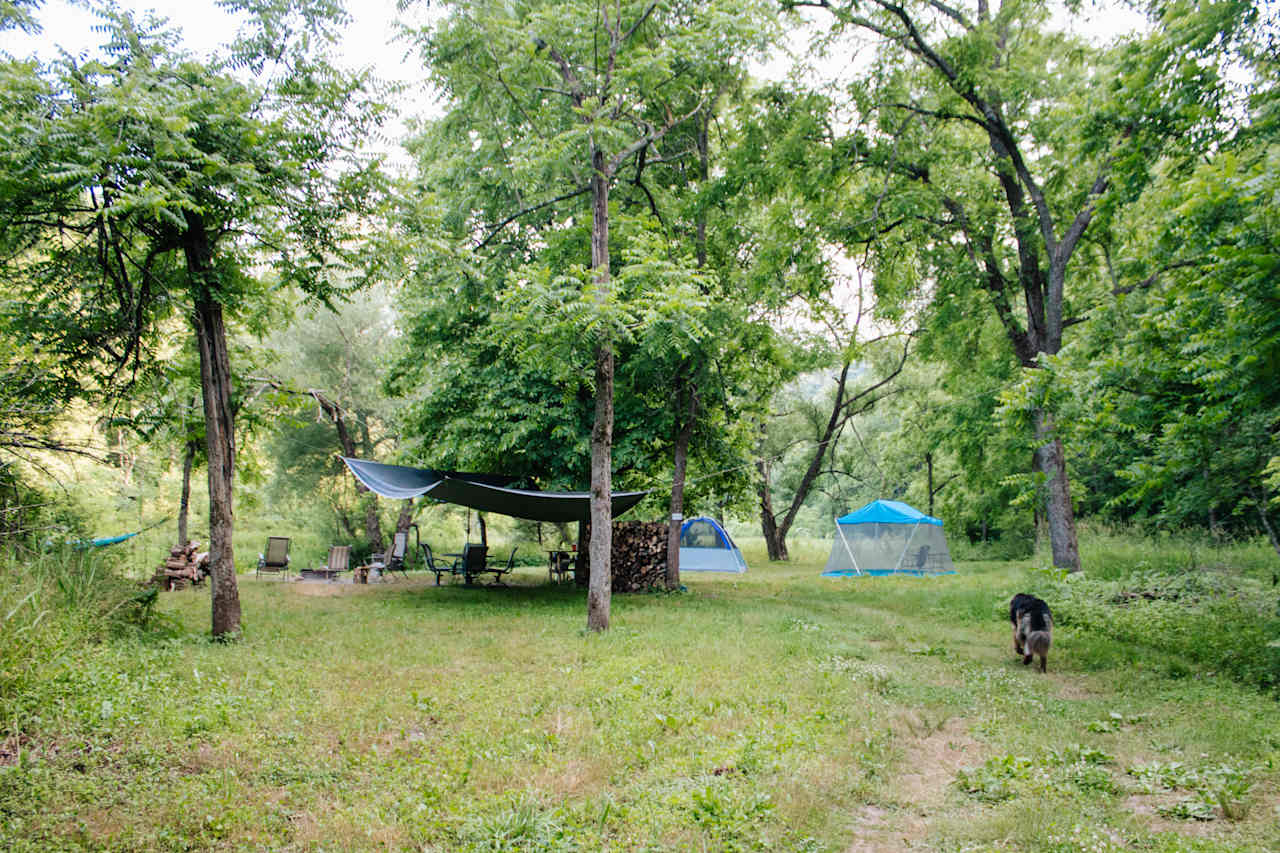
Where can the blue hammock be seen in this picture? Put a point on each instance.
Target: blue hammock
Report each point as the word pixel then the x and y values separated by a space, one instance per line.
pixel 104 540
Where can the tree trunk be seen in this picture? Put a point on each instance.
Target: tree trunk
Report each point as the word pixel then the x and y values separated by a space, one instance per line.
pixel 677 494
pixel 484 530
pixel 373 524
pixel 928 461
pixel 600 587
pixel 582 574
pixel 685 431
pixel 405 519
pixel 219 431
pixel 215 382
pixel 1261 501
pixel 1051 462
pixel 775 541
pixel 184 500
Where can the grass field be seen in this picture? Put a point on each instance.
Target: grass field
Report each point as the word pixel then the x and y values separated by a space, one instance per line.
pixel 773 711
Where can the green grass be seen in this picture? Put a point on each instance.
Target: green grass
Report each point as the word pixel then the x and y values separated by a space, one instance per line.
pixel 772 711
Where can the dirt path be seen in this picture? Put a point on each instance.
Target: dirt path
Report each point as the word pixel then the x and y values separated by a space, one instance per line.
pixel 919 787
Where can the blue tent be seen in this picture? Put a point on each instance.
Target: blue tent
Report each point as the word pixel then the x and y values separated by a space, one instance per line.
pixel 888 537
pixel 705 546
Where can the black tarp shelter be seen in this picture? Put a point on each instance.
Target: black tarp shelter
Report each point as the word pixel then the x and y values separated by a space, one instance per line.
pixel 483 492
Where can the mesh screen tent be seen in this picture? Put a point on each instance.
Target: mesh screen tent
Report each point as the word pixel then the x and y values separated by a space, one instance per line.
pixel 705 546
pixel 888 537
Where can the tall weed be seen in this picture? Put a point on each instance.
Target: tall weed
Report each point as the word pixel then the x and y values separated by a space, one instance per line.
pixel 52 604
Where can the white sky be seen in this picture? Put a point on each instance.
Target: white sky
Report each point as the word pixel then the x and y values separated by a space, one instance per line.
pixel 205 27
pixel 369 42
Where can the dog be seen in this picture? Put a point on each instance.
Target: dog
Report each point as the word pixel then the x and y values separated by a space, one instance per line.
pixel 1032 628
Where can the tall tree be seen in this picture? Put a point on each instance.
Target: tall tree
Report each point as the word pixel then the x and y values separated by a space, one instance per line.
pixel 570 97
pixel 994 146
pixel 145 182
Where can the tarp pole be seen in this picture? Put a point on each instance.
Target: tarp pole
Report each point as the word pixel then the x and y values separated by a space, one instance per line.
pixel 847 549
pixel 910 539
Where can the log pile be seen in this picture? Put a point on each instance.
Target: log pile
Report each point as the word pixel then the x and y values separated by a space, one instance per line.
pixel 639 556
pixel 183 566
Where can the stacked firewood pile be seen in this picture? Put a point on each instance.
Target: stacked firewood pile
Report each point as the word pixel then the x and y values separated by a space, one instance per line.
pixel 183 566
pixel 639 556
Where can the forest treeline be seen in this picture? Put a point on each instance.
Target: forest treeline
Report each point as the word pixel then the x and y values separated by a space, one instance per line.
pixel 961 256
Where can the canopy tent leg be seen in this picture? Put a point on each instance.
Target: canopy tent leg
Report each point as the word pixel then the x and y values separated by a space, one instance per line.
pixel 847 549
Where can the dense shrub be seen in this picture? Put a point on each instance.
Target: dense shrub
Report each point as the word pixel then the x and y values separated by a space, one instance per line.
pixel 52 604
pixel 1218 621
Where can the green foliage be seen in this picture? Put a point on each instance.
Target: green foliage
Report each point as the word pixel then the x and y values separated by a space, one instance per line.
pixel 1219 622
pixel 1224 787
pixel 504 309
pixel 53 605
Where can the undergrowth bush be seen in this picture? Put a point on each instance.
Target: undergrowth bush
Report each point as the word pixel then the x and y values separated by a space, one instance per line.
pixel 52 604
pixel 1215 621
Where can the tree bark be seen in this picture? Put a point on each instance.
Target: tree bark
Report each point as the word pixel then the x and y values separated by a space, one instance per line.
pixel 600 586
pixel 372 524
pixel 775 544
pixel 1260 501
pixel 928 461
pixel 405 519
pixel 1051 462
pixel 680 465
pixel 582 573
pixel 215 388
pixel 184 500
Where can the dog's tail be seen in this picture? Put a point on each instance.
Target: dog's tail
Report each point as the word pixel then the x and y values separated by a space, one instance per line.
pixel 1037 643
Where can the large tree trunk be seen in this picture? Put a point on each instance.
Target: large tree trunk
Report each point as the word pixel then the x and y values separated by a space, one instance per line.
pixel 774 540
pixel 215 382
pixel 600 587
pixel 184 500
pixel 405 519
pixel 219 426
pixel 1051 462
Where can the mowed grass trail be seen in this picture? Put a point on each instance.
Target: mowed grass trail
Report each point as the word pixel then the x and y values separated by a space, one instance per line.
pixel 774 711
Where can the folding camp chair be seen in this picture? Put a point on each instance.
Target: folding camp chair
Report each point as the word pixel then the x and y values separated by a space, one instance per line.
pixel 435 568
pixel 499 570
pixel 339 561
pixel 472 563
pixel 393 560
pixel 276 558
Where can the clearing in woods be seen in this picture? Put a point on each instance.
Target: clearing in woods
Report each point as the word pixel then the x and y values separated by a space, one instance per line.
pixel 777 710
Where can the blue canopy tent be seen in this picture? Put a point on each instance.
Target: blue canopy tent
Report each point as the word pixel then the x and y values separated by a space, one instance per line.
pixel 888 537
pixel 705 546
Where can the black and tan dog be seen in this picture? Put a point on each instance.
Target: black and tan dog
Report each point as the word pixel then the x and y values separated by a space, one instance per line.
pixel 1032 628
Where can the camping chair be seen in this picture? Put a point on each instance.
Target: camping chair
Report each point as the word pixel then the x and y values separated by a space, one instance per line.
pixel 922 557
pixel 500 570
pixel 435 568
pixel 472 563
pixel 393 561
pixel 339 561
pixel 276 559
pixel 561 566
